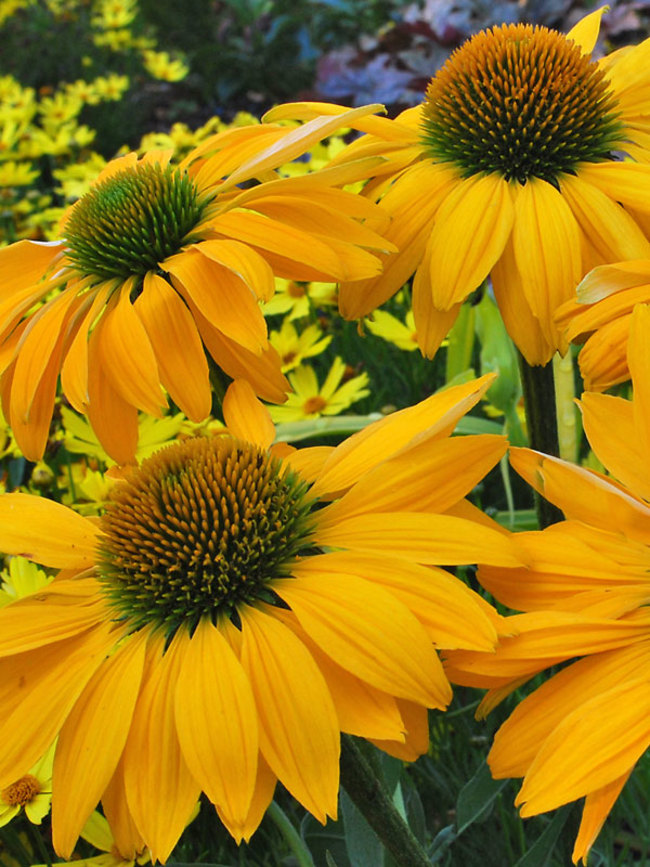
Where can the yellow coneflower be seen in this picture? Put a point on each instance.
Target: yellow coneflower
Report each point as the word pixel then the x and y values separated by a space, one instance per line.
pixel 238 606
pixel 511 169
pixel 584 594
pixel 161 264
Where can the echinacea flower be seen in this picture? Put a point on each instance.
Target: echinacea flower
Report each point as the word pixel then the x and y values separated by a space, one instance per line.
pixel 236 608
pixel 511 169
pixel 601 316
pixel 584 594
pixel 161 264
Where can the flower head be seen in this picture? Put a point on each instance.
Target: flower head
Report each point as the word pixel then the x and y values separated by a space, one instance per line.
pixel 584 594
pixel 237 607
pixel 31 793
pixel 511 168
pixel 161 264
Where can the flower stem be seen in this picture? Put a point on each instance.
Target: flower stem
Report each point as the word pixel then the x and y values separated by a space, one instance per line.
pixel 369 796
pixel 541 417
pixel 291 836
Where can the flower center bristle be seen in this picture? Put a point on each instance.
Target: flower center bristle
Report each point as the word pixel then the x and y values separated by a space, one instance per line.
pixel 521 101
pixel 199 528
pixel 314 404
pixel 133 220
pixel 21 792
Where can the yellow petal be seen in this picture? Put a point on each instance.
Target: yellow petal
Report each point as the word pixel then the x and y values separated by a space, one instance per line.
pixel 598 805
pixel 435 416
pixel 472 227
pixel 24 263
pixel 605 280
pixel 624 182
pixel 416 741
pixel 246 417
pixel 585 32
pixel 423 538
pixel 216 721
pixel 161 791
pixel 366 634
pixel 74 370
pixel 177 346
pixel 299 734
pixel 591 748
pixel 638 359
pixel 546 245
pixel 91 742
pixel 248 265
pixel 65 540
pixel 431 325
pixel 262 797
pixel 221 296
pixel 39 689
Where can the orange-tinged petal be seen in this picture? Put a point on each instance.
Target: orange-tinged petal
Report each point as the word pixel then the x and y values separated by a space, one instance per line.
pixel 128 840
pixel 608 227
pixel 638 359
pixel 299 734
pixel 248 265
pixel 430 477
pixel 297 141
pixel 366 634
pixel 40 687
pixel 114 420
pixel 621 447
pixel 245 416
pixel 591 748
pixel 546 245
pixel 416 742
pixel 596 809
pixel 65 539
pixel 472 227
pixel 177 346
pixel 161 791
pixel 91 742
pixel 585 32
pixel 424 538
pixel 605 280
pixel 216 721
pixel 36 621
pixel 624 182
pixel 24 263
pixel 435 416
pixel 431 325
pixel 222 297
pixel 262 797
pixel 128 357
pixel 583 494
pixel 308 461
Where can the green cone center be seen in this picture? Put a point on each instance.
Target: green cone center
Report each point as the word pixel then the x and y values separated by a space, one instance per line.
pixel 521 101
pixel 127 224
pixel 200 528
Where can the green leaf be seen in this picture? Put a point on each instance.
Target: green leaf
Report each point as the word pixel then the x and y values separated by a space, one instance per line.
pixel 498 355
pixel 476 798
pixel 460 342
pixel 362 844
pixel 541 852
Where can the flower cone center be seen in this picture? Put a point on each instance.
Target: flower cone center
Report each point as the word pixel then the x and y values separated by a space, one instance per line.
pixel 133 220
pixel 522 101
pixel 200 528
pixel 21 792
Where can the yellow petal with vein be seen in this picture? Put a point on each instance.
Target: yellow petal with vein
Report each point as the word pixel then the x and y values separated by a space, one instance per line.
pixel 91 742
pixel 365 634
pixel 24 263
pixel 299 733
pixel 216 721
pixel 596 809
pixel 245 416
pixel 585 32
pixel 472 227
pixel 65 539
pixel 248 265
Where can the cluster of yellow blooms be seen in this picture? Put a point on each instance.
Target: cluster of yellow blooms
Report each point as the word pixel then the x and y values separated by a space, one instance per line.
pixel 220 606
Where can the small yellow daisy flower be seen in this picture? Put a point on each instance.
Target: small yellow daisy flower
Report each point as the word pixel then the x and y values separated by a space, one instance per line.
pixel 390 328
pixel 293 346
pixel 309 400
pixel 31 793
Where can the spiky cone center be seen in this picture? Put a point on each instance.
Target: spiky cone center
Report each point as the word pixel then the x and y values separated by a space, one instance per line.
pixel 523 102
pixel 124 226
pixel 199 529
pixel 21 792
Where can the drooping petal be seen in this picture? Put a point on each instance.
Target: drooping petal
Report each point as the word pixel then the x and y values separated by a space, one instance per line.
pixel 248 265
pixel 65 539
pixel 245 416
pixel 216 721
pixel 24 263
pixel 39 689
pixel 366 634
pixel 161 791
pixel 598 805
pixel 416 741
pixel 128 840
pixel 177 346
pixel 262 797
pixel 299 734
pixel 638 359
pixel 431 325
pixel 472 227
pixel 91 742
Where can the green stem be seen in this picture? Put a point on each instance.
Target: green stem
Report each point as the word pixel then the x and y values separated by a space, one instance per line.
pixel 367 793
pixel 568 430
pixel 291 836
pixel 541 417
